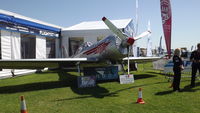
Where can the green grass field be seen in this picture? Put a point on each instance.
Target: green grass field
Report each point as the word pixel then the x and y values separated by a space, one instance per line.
pixel 57 92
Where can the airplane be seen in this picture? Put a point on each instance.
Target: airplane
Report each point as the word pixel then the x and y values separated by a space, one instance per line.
pixel 108 51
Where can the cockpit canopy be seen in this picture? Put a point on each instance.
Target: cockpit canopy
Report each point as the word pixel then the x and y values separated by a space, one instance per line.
pixel 83 47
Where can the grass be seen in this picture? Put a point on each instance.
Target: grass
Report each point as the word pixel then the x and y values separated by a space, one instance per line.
pixel 57 92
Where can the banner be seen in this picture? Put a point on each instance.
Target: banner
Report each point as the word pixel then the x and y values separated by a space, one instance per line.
pixel 12 23
pixel 166 21
pixel 86 81
pixel 102 73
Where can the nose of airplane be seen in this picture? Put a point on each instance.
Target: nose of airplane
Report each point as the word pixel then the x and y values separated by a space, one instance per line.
pixel 130 41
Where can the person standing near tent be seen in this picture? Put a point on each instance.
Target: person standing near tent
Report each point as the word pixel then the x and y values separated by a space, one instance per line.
pixel 195 59
pixel 178 66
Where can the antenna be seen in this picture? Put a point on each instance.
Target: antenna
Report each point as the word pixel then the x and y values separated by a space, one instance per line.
pixel 136 18
pixel 149 42
pixel 133 48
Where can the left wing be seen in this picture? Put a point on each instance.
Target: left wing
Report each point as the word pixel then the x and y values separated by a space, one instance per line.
pixel 141 59
pixel 40 63
pixel 61 62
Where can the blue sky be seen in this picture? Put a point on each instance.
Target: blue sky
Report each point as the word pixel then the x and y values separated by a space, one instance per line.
pixel 65 13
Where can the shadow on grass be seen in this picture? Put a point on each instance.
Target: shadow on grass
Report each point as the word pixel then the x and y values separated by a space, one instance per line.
pixel 143 76
pixel 185 89
pixel 97 92
pixel 107 94
pixel 164 92
pixel 68 80
pixel 100 92
pixel 36 86
pixel 65 80
pixel 189 89
pixel 157 73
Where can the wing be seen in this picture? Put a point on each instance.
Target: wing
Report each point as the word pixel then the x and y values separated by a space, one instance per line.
pixel 142 59
pixel 40 63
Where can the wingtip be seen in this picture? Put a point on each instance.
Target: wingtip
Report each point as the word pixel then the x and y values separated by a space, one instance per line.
pixel 104 18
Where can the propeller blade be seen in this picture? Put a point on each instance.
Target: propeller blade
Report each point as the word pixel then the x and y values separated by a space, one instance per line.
pixel 114 29
pixel 142 35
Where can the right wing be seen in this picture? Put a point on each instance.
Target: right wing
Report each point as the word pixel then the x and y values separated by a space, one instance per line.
pixel 62 62
pixel 142 59
pixel 40 63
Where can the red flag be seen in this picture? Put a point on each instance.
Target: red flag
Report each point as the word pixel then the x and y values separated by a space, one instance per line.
pixel 166 21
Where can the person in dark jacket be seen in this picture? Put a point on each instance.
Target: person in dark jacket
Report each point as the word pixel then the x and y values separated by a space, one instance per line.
pixel 195 59
pixel 178 66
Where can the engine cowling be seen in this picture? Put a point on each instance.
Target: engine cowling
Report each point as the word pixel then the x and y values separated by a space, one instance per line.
pixel 130 41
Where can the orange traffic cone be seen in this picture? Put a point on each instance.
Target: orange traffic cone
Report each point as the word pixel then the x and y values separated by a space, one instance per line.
pixel 140 100
pixel 23 105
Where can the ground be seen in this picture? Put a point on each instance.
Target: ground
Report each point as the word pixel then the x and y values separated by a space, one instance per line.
pixel 57 92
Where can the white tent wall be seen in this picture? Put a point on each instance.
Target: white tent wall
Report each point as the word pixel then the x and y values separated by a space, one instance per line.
pixel 58 49
pixel 92 39
pixel 16 53
pixel 6 44
pixel 11 42
pixel 135 50
pixel 40 47
pixel 6 51
pixel 40 53
pixel 15 45
pixel 11 49
pixel 64 47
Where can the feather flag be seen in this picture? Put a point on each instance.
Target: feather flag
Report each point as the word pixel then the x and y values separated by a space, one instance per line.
pixel 166 21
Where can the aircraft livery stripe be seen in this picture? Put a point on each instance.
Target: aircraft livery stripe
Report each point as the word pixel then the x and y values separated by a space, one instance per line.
pixel 97 49
pixel 93 49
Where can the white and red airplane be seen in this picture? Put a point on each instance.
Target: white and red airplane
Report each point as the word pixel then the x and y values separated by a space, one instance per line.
pixel 108 51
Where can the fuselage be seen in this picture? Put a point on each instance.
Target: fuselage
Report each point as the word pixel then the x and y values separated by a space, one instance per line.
pixel 108 48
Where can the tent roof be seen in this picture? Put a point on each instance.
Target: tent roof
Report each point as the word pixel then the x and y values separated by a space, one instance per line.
pixel 94 25
pixel 27 18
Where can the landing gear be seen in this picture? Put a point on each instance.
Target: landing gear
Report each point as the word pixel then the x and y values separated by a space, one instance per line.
pixel 79 68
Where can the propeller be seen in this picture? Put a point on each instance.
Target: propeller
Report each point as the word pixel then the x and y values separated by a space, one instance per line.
pixel 114 29
pixel 126 41
pixel 143 35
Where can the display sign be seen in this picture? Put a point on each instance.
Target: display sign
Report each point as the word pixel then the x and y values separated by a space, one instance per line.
pixel 126 79
pixel 20 25
pixel 86 81
pixel 102 73
pixel 27 29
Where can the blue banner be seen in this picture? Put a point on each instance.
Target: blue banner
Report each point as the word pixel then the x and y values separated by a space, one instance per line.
pixel 102 73
pixel 19 25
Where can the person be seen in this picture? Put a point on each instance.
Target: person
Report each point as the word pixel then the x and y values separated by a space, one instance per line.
pixel 178 66
pixel 195 59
